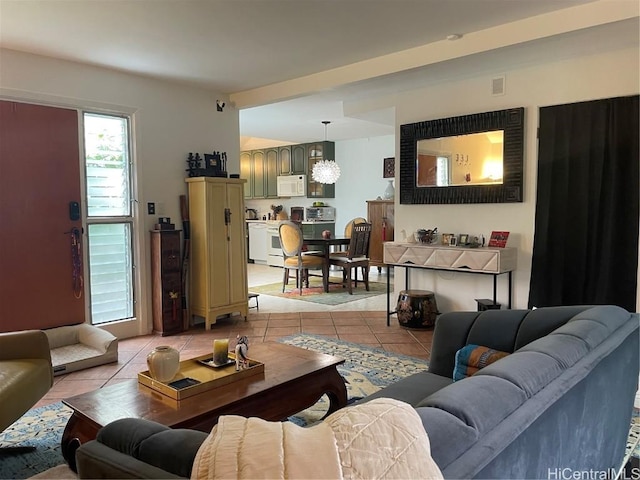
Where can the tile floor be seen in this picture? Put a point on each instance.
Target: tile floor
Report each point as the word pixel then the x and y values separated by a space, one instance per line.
pixel 362 322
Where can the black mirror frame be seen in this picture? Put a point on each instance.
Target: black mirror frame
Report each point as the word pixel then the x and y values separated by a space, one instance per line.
pixel 510 120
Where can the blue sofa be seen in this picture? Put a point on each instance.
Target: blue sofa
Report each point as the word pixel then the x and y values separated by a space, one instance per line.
pixel 560 403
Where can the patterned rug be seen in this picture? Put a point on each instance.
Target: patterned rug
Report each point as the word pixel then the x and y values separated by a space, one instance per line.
pixel 315 293
pixel 365 371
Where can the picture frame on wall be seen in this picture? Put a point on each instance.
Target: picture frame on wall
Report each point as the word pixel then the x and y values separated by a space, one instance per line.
pixel 389 167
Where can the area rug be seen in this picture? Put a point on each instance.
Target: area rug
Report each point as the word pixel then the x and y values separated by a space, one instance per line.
pixel 315 293
pixel 41 428
pixel 365 370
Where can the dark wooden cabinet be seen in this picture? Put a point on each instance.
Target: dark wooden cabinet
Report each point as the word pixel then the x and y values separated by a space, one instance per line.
pixel 380 214
pixel 316 152
pixel 166 281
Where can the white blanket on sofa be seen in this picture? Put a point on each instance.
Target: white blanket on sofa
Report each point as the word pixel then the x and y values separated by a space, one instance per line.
pixel 383 438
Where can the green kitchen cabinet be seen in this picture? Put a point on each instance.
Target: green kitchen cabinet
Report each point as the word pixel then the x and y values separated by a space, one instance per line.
pixel 271 156
pixel 246 172
pixel 284 161
pixel 257 160
pixel 298 159
pixel 316 152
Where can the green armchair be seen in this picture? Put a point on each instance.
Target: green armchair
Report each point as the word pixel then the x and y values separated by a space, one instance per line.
pixel 26 375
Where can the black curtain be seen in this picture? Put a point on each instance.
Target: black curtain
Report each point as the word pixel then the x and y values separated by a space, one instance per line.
pixel 585 248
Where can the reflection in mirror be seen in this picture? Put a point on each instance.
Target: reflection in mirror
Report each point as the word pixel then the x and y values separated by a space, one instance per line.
pixel 474 159
pixel 448 171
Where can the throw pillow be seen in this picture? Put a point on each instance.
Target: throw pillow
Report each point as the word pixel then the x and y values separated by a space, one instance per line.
pixel 471 358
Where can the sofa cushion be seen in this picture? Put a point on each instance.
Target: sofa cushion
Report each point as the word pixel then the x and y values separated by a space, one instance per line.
pixel 529 371
pixel 565 349
pixel 543 321
pixel 412 389
pixel 479 401
pixel 471 358
pixel 496 329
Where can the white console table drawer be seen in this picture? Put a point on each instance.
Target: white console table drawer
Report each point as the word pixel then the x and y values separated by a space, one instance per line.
pixel 482 260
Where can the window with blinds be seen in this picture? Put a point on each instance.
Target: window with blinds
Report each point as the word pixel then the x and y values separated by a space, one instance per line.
pixel 109 217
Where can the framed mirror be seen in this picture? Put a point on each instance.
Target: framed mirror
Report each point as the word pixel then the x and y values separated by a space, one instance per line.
pixel 475 158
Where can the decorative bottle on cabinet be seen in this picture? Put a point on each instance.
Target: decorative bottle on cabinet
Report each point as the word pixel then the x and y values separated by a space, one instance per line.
pixel 380 213
pixel 166 269
pixel 218 258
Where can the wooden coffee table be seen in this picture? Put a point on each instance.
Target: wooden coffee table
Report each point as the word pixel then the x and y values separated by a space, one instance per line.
pixel 293 379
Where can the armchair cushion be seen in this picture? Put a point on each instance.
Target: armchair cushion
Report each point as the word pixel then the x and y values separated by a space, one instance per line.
pixel 26 374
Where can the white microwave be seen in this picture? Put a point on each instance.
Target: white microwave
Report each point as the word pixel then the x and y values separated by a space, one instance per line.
pixel 292 185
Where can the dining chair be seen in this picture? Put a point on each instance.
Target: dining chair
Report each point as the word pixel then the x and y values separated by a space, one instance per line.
pixel 347 233
pixel 349 226
pixel 292 241
pixel 356 256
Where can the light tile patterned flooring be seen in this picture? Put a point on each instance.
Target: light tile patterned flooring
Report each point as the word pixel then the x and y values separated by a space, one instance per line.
pixel 362 322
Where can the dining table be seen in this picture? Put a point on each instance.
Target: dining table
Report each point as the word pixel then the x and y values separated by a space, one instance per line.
pixel 325 245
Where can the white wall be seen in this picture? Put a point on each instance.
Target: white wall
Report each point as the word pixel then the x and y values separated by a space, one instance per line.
pixel 588 77
pixel 169 121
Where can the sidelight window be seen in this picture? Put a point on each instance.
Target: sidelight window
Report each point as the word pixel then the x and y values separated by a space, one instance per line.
pixel 109 217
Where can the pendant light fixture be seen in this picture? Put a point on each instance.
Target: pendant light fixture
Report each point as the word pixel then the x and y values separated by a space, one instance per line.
pixel 325 171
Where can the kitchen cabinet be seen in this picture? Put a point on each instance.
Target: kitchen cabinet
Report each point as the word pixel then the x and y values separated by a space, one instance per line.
pixel 380 214
pixel 316 152
pixel 258 173
pixel 299 159
pixel 271 173
pixel 260 169
pixel 246 172
pixel 284 161
pixel 166 282
pixel 218 264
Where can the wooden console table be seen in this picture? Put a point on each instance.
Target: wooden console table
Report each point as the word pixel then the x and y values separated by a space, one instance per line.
pixel 483 261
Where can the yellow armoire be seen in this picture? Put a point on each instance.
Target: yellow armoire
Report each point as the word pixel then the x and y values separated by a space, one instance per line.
pixel 218 251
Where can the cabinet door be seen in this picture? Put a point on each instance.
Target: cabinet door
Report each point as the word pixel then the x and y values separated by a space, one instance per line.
pixel 298 159
pixel 271 172
pixel 284 161
pixel 315 153
pixel 246 172
pixel 236 245
pixel 257 157
pixel 381 216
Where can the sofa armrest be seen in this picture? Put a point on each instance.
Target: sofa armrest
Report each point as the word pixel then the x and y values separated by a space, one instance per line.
pixel 95 460
pixel 149 446
pixel 25 344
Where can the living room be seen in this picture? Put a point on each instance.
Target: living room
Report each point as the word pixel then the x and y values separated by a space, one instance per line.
pixel 597 60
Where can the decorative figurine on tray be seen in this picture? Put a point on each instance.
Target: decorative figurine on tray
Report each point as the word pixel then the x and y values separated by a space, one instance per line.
pixel 242 347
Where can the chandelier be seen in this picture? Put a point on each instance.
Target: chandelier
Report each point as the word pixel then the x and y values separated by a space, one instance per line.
pixel 325 171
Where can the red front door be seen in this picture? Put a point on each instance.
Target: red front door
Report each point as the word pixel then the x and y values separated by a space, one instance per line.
pixel 39 176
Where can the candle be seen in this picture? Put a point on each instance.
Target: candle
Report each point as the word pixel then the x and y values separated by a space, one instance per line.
pixel 221 351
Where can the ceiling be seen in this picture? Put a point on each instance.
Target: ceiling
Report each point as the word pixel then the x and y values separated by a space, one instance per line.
pixel 289 64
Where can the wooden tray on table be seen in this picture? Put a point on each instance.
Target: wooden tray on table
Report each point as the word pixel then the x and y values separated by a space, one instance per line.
pixel 205 374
